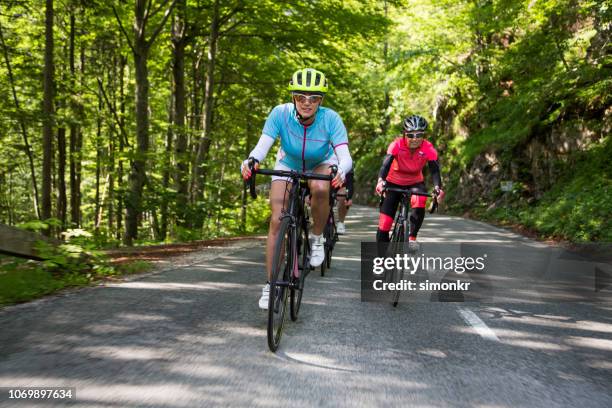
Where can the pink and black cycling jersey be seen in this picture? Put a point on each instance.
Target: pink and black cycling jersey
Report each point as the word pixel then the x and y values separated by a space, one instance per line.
pixel 407 166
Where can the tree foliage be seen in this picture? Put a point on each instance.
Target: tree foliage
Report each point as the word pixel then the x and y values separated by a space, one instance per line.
pixel 491 75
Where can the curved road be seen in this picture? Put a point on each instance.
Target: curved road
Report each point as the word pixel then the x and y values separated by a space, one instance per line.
pixel 192 336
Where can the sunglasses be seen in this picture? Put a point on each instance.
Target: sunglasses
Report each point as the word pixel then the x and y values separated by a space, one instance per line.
pixel 414 135
pixel 301 98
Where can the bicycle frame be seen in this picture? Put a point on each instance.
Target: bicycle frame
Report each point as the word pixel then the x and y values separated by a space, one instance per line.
pixel 401 216
pixel 401 222
pixel 295 211
pixel 294 227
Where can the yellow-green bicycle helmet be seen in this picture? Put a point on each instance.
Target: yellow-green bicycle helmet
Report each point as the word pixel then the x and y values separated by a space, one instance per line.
pixel 308 80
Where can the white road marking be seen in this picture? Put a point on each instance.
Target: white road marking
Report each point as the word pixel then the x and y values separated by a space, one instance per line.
pixel 478 325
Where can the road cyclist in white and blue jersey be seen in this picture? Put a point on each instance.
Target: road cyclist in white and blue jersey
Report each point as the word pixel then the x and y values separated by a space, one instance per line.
pixel 312 138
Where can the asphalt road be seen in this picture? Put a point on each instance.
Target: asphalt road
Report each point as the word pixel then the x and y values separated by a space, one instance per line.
pixel 193 336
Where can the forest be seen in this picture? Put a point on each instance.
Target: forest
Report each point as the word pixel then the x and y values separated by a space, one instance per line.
pixel 125 121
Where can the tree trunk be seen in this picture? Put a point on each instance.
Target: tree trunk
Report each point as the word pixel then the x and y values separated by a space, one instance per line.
pixel 48 86
pixel 137 175
pixel 140 48
pixel 181 176
pixel 205 140
pixel 11 210
pixel 195 103
pixel 167 162
pixel 384 126
pixel 101 206
pixel 110 171
pixel 75 138
pixel 122 64
pixel 243 217
pixel 22 126
pixel 98 159
pixel 4 199
pixel 219 196
pixel 61 176
pixel 133 202
pixel 196 121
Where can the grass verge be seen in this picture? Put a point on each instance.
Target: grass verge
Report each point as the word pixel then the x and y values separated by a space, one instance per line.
pixel 23 281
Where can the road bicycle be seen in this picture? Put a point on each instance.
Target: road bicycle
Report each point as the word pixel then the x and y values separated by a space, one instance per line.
pixel 291 260
pixel 401 229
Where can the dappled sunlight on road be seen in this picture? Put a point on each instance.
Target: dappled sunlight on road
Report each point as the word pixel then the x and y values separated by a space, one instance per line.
pixel 126 352
pixel 590 342
pixel 433 353
pixel 141 317
pixel 315 302
pixel 314 360
pixel 347 258
pixel 201 339
pixel 599 364
pixel 175 285
pixel 513 315
pixel 107 328
pixel 194 337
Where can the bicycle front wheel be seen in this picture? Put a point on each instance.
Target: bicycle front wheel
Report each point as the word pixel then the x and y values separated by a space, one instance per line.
pixel 282 265
pixel 303 256
pixel 399 238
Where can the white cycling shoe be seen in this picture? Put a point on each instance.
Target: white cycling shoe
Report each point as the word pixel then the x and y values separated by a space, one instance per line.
pixel 317 254
pixel 340 228
pixel 265 297
pixel 413 246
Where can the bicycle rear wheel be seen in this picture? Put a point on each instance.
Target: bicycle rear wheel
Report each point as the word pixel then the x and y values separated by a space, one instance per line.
pixel 330 236
pixel 324 264
pixel 282 265
pixel 303 267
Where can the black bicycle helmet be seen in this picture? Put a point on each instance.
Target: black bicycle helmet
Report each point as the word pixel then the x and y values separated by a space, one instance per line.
pixel 415 123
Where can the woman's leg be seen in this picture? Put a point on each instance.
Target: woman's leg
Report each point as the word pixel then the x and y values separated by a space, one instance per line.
pixel 417 211
pixel 417 215
pixel 279 192
pixel 319 205
pixel 319 201
pixel 387 214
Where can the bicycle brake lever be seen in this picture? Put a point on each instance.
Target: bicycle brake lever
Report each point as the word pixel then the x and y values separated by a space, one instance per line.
pixel 434 205
pixel 252 162
pixel 334 171
pixel 333 190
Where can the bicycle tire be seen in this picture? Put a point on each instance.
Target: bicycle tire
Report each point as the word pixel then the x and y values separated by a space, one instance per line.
pixel 281 267
pixel 400 236
pixel 324 264
pixel 333 241
pixel 296 293
pixel 326 247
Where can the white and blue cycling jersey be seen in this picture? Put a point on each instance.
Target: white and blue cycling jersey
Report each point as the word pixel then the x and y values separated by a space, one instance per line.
pixel 305 147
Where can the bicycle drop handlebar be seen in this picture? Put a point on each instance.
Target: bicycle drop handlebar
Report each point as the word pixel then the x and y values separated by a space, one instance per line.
pixel 412 191
pixel 287 173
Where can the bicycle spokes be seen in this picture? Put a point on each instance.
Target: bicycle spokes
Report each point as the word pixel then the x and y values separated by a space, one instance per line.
pixel 296 269
pixel 278 297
